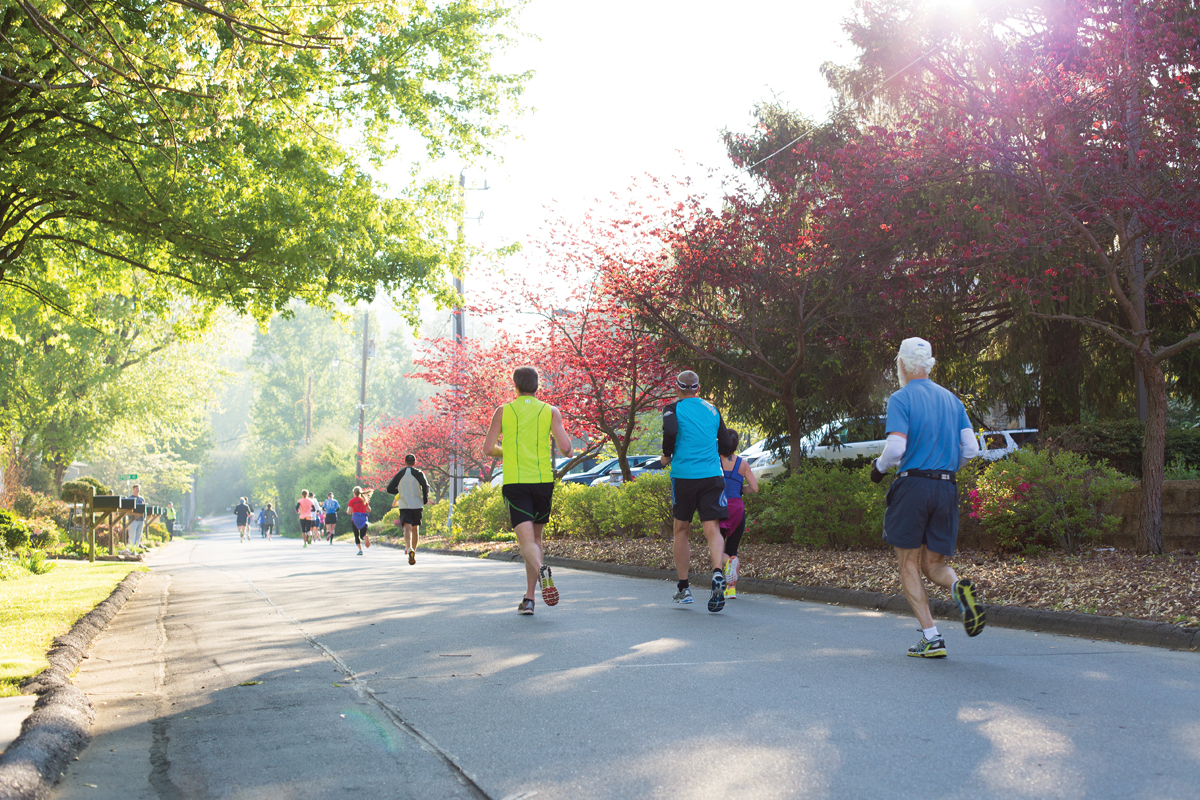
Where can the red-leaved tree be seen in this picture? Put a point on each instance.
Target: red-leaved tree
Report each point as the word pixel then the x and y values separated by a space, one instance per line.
pixel 1086 114
pixel 606 369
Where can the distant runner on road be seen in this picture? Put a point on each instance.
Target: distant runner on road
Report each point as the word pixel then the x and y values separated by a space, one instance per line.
pixel 929 437
pixel 526 426
pixel 330 506
pixel 304 509
pixel 693 433
pixel 360 510
pixel 413 490
pixel 268 520
pixel 242 510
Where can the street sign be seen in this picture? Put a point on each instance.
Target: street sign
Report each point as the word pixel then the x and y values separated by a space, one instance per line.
pixel 132 477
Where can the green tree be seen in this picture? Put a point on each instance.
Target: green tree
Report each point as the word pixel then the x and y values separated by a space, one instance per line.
pixel 67 388
pixel 214 151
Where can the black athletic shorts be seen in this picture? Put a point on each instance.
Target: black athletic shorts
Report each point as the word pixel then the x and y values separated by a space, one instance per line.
pixel 922 511
pixel 528 502
pixel 706 495
pixel 331 518
pixel 410 516
pixel 306 524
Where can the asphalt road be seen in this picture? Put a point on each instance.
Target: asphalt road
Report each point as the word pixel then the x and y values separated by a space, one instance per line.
pixel 372 678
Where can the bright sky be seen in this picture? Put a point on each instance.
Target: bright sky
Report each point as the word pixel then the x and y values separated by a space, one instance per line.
pixel 630 87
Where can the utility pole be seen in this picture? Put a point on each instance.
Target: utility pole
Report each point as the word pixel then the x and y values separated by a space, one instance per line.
pixel 362 399
pixel 458 329
pixel 308 410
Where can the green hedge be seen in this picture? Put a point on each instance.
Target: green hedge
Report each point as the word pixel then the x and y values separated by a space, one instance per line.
pixel 823 504
pixel 1119 443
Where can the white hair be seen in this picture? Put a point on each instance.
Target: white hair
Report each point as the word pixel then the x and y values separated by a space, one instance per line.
pixel 916 355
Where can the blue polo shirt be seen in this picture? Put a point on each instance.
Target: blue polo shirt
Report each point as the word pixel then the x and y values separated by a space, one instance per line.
pixel 932 418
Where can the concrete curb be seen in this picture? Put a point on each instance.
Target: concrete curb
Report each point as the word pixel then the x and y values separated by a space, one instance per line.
pixel 60 726
pixel 1086 626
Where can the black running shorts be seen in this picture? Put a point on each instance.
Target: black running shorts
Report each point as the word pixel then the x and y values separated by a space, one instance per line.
pixel 331 518
pixel 410 516
pixel 306 524
pixel 706 495
pixel 922 511
pixel 528 502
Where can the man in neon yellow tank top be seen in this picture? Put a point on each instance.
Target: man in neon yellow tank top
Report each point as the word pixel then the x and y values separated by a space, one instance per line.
pixel 525 426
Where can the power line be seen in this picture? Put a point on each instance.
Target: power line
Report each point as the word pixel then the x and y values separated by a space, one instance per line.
pixel 866 95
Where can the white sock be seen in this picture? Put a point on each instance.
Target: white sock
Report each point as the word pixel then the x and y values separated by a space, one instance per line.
pixel 930 633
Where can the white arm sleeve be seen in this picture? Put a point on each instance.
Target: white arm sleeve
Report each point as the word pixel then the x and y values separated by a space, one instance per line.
pixel 893 451
pixel 970 446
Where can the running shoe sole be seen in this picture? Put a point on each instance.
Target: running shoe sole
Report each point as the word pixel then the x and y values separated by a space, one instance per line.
pixel 412 556
pixel 549 593
pixel 973 616
pixel 717 601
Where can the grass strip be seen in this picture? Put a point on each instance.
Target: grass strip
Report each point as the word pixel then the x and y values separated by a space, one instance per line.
pixel 35 609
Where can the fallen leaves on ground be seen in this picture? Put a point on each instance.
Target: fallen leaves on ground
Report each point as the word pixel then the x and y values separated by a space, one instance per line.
pixel 1112 583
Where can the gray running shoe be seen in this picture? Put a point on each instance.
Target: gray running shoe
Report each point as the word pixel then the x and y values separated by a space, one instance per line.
pixel 526 607
pixel 928 649
pixel 717 601
pixel 683 596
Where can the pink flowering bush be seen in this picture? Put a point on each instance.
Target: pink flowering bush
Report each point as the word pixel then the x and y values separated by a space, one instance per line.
pixel 1046 498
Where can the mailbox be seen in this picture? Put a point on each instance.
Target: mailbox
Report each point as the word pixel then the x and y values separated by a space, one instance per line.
pixel 106 501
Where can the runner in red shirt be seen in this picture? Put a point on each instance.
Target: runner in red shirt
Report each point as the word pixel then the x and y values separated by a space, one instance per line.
pixel 359 509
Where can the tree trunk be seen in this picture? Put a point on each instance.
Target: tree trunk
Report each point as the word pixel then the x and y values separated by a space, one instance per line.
pixel 1154 446
pixel 788 401
pixel 622 448
pixel 1061 374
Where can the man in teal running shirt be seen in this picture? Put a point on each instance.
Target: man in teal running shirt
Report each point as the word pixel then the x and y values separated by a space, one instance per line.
pixel 692 431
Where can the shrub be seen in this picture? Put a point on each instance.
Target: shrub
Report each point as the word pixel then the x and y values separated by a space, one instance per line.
pixel 44 533
pixel 585 512
pixel 433 519
pixel 643 506
pixel 1178 470
pixel 14 532
pixel 481 513
pixel 76 491
pixel 821 504
pixel 1042 498
pixel 35 562
pixel 1119 442
pixel 34 504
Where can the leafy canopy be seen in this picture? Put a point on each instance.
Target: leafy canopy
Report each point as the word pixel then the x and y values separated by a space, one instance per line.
pixel 214 151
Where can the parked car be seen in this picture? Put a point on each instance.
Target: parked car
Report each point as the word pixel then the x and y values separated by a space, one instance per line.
pixel 845 438
pixel 581 467
pixel 605 468
pixel 994 445
pixel 614 476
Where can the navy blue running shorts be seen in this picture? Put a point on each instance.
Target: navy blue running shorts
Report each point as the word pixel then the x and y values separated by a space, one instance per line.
pixel 528 502
pixel 922 511
pixel 706 495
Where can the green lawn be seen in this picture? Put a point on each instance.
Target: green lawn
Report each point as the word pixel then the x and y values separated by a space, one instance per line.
pixel 34 610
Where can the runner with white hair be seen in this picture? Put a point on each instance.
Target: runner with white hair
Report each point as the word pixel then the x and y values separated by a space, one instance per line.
pixel 929 438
